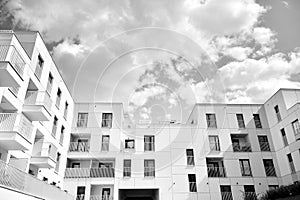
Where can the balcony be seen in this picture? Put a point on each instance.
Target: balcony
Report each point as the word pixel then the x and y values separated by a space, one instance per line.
pixel 37 106
pixel 16 179
pixel 11 67
pixel 79 147
pixel 103 172
pixel 226 196
pixel 101 197
pixel 15 131
pixel 216 171
pixel 44 155
pixel 245 147
pixel 270 171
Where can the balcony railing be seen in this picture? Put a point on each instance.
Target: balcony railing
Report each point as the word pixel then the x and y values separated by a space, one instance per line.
pixel 264 146
pixel 193 186
pixel 17 179
pixel 270 171
pixel 245 147
pixel 216 172
pixel 105 172
pixel 16 122
pixel 9 53
pixel 226 196
pixel 250 196
pixel 38 98
pixel 79 147
pixel 101 197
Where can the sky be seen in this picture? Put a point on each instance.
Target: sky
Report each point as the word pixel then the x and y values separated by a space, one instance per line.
pixel 160 57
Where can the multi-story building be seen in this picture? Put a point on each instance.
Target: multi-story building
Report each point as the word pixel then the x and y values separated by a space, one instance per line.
pixel 36 111
pixel 223 151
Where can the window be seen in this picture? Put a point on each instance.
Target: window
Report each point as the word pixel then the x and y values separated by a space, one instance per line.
pixel 240 120
pixel 291 163
pixel 57 162
pixel 107 120
pixel 149 168
pixel 250 192
pixel 190 157
pixel 106 194
pixel 226 192
pixel 58 98
pixel 39 67
pixel 75 165
pixel 214 143
pixel 148 143
pixel 269 167
pixel 296 127
pixel 54 126
pixel 61 139
pixel 192 182
pixel 245 167
pixel 211 120
pixel 273 187
pixel 105 143
pixel 257 121
pixel 129 144
pixel 66 110
pixel 127 168
pixel 277 112
pixel 263 143
pixel 82 119
pixel 80 193
pixel 49 84
pixel 284 139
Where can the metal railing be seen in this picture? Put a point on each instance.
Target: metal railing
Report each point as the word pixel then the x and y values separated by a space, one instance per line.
pixel 101 197
pixel 126 171
pixel 270 171
pixel 9 53
pixel 216 172
pixel 264 146
pixel 242 147
pixel 149 171
pixel 226 196
pixel 16 122
pixel 80 197
pixel 250 196
pixel 149 146
pixel 38 98
pixel 105 172
pixel 17 179
pixel 193 186
pixel 190 160
pixel 79 147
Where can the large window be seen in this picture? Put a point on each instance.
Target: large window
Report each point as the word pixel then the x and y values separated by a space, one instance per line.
pixel 211 120
pixel 80 193
pixel 245 167
pixel 107 120
pixel 192 182
pixel 257 121
pixel 277 112
pixel 296 127
pixel 58 98
pixel 250 192
pixel 127 168
pixel 269 167
pixel 105 143
pixel 82 119
pixel 149 168
pixel 214 143
pixel 240 120
pixel 284 139
pixel 226 192
pixel 149 143
pixel 291 163
pixel 263 143
pixel 190 157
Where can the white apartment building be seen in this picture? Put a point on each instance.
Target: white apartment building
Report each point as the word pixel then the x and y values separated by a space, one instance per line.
pixel 222 152
pixel 36 111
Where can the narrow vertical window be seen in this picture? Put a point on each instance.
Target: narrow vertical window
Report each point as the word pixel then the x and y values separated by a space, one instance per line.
pixel 257 121
pixel 54 126
pixel 190 157
pixel 107 120
pixel 80 193
pixel 39 67
pixel 211 120
pixel 66 110
pixel 291 163
pixel 49 84
pixel 82 119
pixel 245 167
pixel 214 143
pixel 149 168
pixel 62 132
pixel 263 143
pixel 149 143
pixel 240 120
pixel 192 182
pixel 127 168
pixel 296 127
pixel 58 98
pixel 269 167
pixel 277 112
pixel 284 139
pixel 105 143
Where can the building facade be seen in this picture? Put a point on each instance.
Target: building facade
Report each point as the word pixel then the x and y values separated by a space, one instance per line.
pixel 223 151
pixel 36 111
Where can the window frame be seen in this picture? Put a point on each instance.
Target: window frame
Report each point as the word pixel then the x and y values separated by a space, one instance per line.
pixel 244 167
pixel 240 120
pixel 106 122
pixel 82 122
pixel 211 122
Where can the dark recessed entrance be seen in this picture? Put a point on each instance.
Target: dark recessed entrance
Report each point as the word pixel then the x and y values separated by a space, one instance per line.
pixel 138 194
